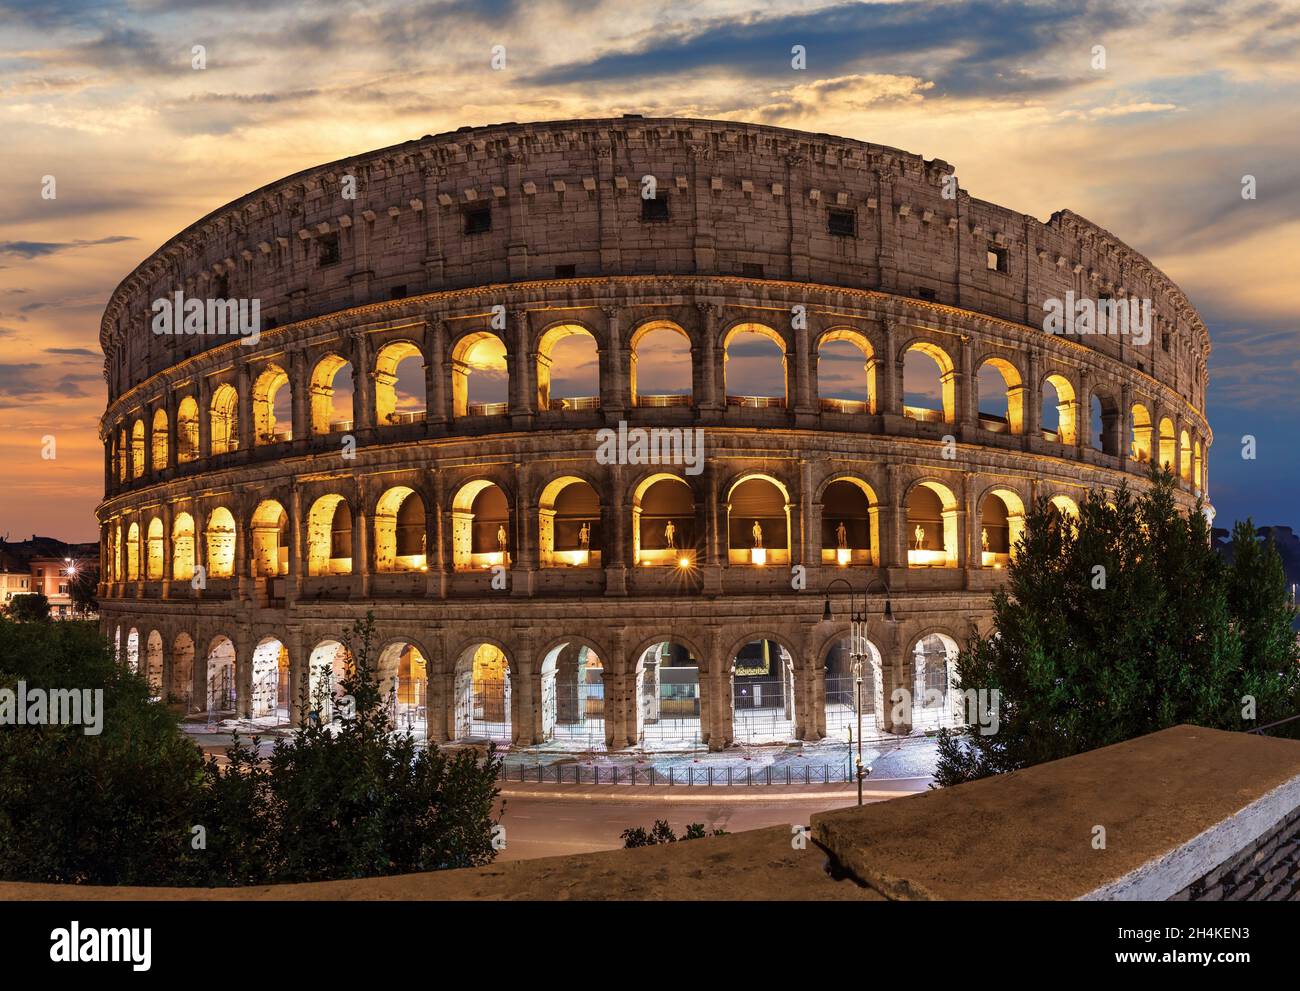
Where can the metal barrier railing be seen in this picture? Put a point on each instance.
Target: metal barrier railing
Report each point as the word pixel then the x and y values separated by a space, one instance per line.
pixel 673 777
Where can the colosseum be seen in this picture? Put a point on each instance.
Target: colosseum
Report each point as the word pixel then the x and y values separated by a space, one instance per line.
pixel 399 438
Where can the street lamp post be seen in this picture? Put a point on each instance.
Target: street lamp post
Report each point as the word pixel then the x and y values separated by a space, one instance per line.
pixel 857 654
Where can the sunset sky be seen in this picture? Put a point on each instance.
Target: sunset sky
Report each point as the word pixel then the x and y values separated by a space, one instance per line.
pixel 102 95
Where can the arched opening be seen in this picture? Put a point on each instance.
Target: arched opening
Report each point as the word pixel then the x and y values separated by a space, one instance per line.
pixel 329 536
pixel 1059 411
pixel 117 645
pixel 137 449
pixel 399 384
pixel 663 522
pixel 187 430
pixel 568 369
pixel 270 540
pixel 116 564
pixel 332 390
pixel 846 373
pixel 400 533
pixel 1184 457
pixel 934 700
pixel 221 696
pixel 158 455
pixel 220 535
pixel 120 454
pixel 569 524
pixel 153 663
pixel 668 694
pixel 1001 397
pixel 480 527
pixel 929 384
pixel 1167 453
pixel 182 686
pixel 1104 425
pixel 223 420
pixel 272 407
pixel 183 547
pixel 1140 439
pixel 1002 523
pixel 480 377
pixel 153 569
pixel 932 526
pixel 754 366
pixel 327 668
pixel 1066 506
pixel 133 552
pixel 850 524
pixel 661 372
pixel 270 693
pixel 573 696
pixel 842 693
pixel 133 650
pixel 404 675
pixel 758 522
pixel 762 693
pixel 482 691
pixel 1198 480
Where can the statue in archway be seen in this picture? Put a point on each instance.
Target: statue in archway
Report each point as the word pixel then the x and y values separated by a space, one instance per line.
pixel 919 535
pixel 984 538
pixel 670 535
pixel 501 538
pixel 584 536
pixel 758 535
pixel 842 537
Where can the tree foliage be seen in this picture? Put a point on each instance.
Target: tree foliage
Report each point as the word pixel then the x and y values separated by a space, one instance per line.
pixel 662 832
pixel 29 607
pixel 1122 622
pixel 331 801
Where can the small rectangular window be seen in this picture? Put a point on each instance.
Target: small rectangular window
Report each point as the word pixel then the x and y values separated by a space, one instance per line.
pixel 1164 340
pixel 751 270
pixel 328 249
pixel 926 294
pixel 566 271
pixel 997 259
pixel 655 209
pixel 478 220
pixel 397 292
pixel 842 223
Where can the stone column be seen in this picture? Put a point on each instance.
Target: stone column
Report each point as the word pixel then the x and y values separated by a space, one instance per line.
pixel 524 701
pixel 149 467
pixel 615 380
pixel 435 378
pixel 721 731
pixel 435 540
pixel 173 434
pixel 363 383
pixel 300 405
pixel 524 554
pixel 243 641
pixel 713 396
pixel 891 372
pixel 1033 401
pixel 361 565
pixel 967 393
pixel 297 528
pixel 298 681
pixel 616 535
pixel 437 692
pixel 244 404
pixel 523 374
pixel 204 399
pixel 167 553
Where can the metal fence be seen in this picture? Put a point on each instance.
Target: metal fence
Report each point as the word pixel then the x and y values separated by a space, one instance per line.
pixel 685 776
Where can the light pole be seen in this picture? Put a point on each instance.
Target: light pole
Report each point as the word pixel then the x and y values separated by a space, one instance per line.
pixel 857 652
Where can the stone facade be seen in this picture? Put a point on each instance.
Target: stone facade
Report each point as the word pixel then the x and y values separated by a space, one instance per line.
pixel 804 238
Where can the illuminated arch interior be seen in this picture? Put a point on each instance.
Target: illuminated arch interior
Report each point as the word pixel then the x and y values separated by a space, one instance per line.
pixel 1167 453
pixel 569 524
pixel 1140 441
pixel 568 369
pixel 573 696
pixel 753 374
pixel 400 534
pixel 223 420
pixel 1060 411
pixel 187 430
pixel 668 696
pixel 220 533
pixel 480 377
pixel 932 532
pixel 660 356
pixel 133 552
pixel 1001 397
pixel 183 547
pixel 1002 523
pixel 158 455
pixel 663 522
pixel 763 693
pixel 153 569
pixel 758 522
pixel 480 527
pixel 272 407
pixel 270 540
pixel 329 536
pixel 850 524
pixel 482 694
pixel 929 383
pixel 399 384
pixel 846 372
pixel 137 449
pixel 331 394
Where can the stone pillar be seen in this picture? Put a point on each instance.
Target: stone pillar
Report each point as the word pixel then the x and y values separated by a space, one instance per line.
pixel 891 369
pixel 1083 414
pixel 204 400
pixel 523 374
pixel 524 555
pixel 1033 401
pixel 167 552
pixel 615 379
pixel 810 555
pixel 298 681
pixel 712 397
pixel 897 672
pixel 435 540
pixel 173 433
pixel 438 700
pixel 893 521
pixel 972 548
pixel 361 564
pixel 721 731
pixel 300 406
pixel 244 404
pixel 524 701
pixel 363 383
pixel 297 530
pixel 149 467
pixel 435 379
pixel 615 533
pixel 967 393
pixel 243 641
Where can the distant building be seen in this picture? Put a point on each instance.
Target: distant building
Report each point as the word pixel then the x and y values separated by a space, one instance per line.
pixel 44 564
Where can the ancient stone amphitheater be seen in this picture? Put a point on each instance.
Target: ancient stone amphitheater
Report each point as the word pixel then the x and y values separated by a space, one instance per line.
pixel 262 493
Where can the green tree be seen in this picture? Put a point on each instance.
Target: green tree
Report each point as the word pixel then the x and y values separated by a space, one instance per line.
pixel 83 589
pixel 1119 623
pixel 662 832
pixel 112 808
pixel 351 799
pixel 30 607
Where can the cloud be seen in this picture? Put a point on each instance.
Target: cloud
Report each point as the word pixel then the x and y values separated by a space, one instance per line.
pixel 41 249
pixel 74 352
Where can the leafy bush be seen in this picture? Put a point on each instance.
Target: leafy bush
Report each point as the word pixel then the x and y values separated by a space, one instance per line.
pixel 661 832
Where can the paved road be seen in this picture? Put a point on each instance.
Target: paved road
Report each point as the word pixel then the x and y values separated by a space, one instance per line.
pixel 556 820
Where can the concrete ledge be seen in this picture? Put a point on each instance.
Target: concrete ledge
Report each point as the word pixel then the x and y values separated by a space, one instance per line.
pixel 1174 805
pixel 756 865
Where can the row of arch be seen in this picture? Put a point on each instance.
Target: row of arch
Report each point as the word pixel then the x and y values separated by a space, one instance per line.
pixel 760 527
pixel 666 699
pixel 566 376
